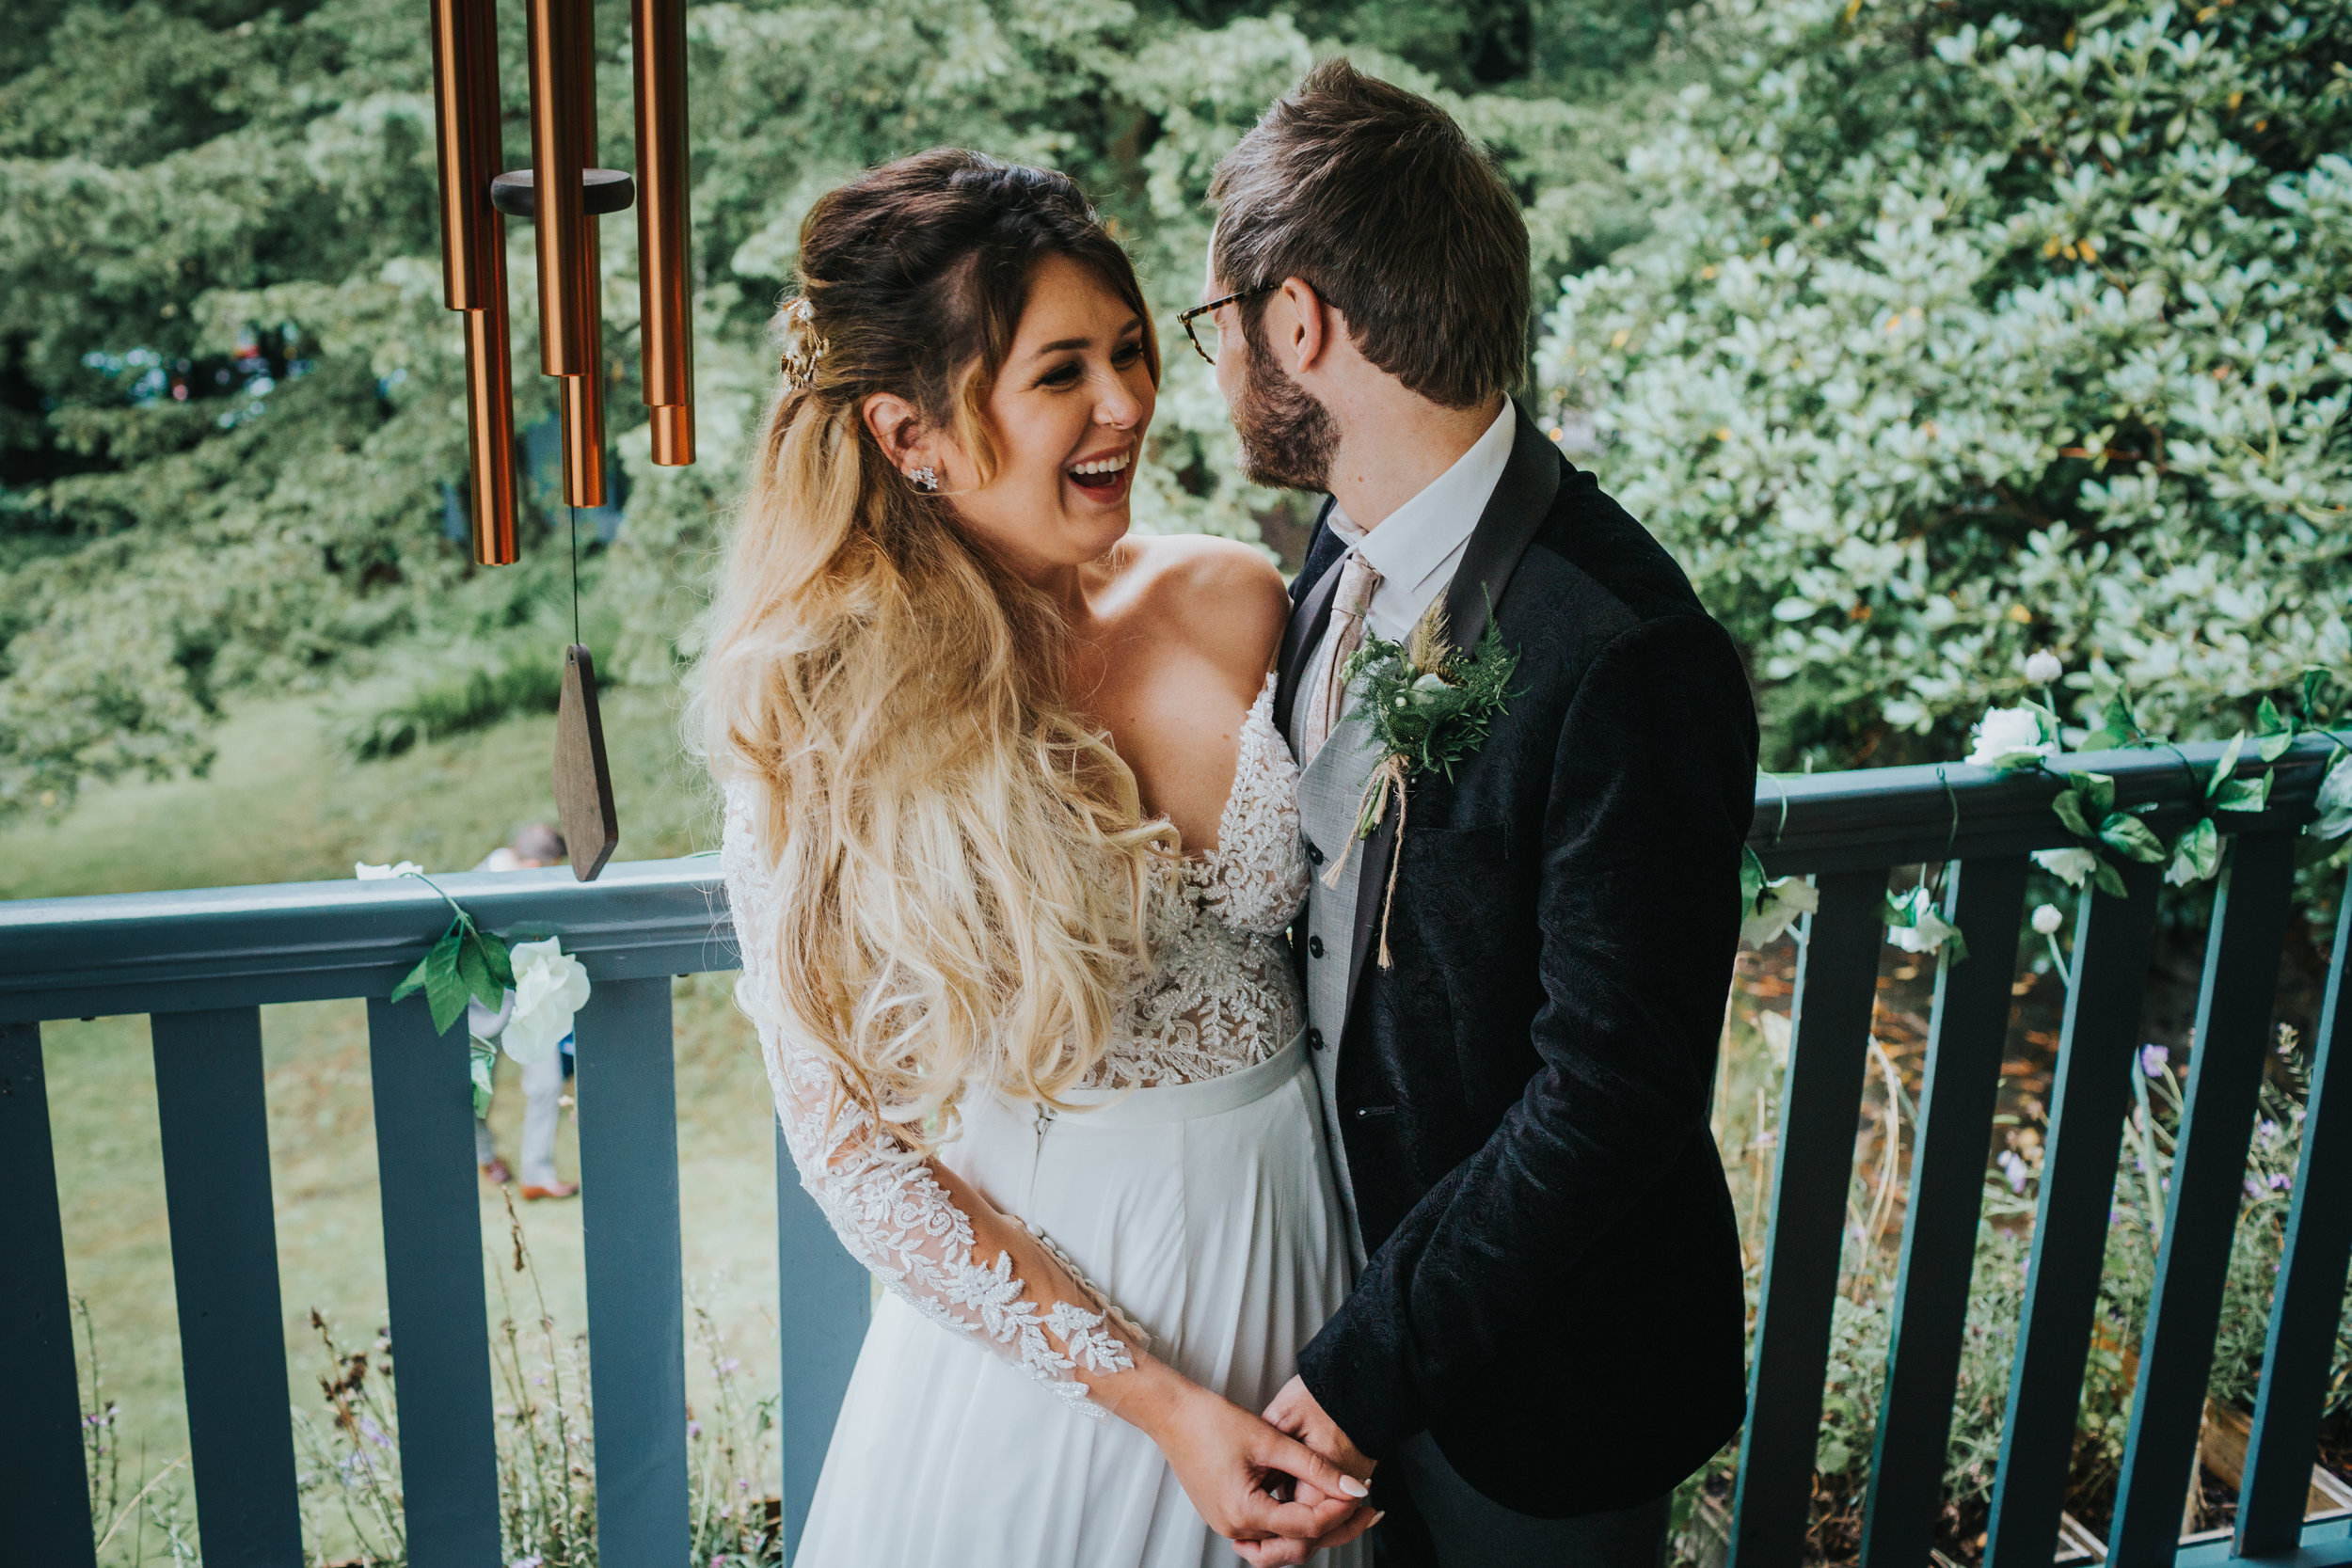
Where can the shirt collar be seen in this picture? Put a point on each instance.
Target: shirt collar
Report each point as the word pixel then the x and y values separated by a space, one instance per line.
pixel 1420 536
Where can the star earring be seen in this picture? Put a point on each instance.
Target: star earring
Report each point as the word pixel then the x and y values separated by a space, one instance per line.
pixel 925 479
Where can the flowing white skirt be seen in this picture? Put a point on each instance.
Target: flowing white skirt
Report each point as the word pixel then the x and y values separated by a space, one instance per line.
pixel 1208 1212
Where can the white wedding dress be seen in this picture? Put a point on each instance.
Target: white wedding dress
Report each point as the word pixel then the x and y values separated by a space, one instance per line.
pixel 1190 1194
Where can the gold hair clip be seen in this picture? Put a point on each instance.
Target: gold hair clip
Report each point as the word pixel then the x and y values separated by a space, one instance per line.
pixel 803 347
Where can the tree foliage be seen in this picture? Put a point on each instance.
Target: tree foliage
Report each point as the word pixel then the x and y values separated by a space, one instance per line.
pixel 232 404
pixel 1972 329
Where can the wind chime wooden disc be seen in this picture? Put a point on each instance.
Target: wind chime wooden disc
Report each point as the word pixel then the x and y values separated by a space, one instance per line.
pixel 583 784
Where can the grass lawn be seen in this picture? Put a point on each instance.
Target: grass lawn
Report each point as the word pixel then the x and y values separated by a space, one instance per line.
pixel 278 806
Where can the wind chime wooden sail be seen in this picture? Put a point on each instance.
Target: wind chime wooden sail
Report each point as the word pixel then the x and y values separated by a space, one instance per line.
pixel 564 194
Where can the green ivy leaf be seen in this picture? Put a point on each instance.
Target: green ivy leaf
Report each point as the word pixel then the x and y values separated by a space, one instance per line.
pixel 2103 741
pixel 495 953
pixel 414 981
pixel 2314 688
pixel 418 977
pixel 2226 766
pixel 2197 855
pixel 2245 794
pixel 2098 793
pixel 2129 834
pixel 474 970
pixel 1751 880
pixel 2109 880
pixel 2068 804
pixel 444 987
pixel 1955 946
pixel 484 1055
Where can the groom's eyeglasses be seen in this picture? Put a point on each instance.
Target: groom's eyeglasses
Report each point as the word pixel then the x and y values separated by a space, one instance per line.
pixel 1210 311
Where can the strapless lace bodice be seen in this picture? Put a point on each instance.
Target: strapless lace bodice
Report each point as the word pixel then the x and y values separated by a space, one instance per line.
pixel 1219 996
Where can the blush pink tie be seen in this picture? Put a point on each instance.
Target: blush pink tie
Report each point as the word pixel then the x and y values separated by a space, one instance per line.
pixel 1327 687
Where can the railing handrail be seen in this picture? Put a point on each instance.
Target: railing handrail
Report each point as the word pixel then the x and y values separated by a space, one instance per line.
pixel 1873 816
pixel 308 942
pixel 311 942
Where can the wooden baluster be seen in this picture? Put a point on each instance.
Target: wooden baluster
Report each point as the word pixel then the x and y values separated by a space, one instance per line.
pixel 2309 1295
pixel 44 1497
pixel 215 1120
pixel 2249 922
pixel 1965 1037
pixel 2090 1088
pixel 1837 990
pixel 636 1286
pixel 424 1162
pixel 824 1297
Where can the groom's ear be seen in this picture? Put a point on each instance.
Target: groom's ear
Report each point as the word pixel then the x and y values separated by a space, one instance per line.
pixel 1298 327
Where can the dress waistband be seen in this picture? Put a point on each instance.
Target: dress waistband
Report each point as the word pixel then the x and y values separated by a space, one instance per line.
pixel 1182 1101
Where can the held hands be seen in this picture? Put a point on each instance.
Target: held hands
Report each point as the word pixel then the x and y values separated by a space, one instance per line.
pixel 1251 1482
pixel 1296 1411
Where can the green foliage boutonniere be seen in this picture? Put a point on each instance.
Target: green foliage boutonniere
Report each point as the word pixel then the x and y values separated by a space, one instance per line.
pixel 1430 705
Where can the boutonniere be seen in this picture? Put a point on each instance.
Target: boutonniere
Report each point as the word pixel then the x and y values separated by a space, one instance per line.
pixel 1430 705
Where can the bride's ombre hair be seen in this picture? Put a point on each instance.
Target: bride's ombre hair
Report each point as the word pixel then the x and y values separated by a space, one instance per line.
pixel 961 866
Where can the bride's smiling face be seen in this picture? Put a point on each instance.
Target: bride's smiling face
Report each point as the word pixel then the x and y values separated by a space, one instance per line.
pixel 1067 418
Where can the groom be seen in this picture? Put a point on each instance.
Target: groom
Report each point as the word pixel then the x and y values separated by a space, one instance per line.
pixel 1545 1335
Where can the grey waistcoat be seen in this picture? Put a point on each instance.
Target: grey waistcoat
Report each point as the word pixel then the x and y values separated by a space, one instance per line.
pixel 1329 793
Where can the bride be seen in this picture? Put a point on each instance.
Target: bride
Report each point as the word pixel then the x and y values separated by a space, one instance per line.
pixel 1010 845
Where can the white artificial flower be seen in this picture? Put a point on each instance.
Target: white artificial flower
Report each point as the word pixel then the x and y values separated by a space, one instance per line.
pixel 1783 902
pixel 2042 667
pixel 2011 736
pixel 550 987
pixel 2071 866
pixel 1928 934
pixel 2335 801
pixel 1431 682
pixel 367 873
pixel 2047 919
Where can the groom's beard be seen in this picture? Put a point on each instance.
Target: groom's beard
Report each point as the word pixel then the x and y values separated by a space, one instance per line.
pixel 1287 437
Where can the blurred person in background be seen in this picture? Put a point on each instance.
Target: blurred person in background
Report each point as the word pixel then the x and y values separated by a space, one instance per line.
pixel 534 845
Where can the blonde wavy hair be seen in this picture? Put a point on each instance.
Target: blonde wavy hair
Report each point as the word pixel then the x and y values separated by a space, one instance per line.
pixel 962 867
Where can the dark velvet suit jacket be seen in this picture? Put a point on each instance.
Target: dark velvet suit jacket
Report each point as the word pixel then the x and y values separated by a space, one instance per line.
pixel 1554 1282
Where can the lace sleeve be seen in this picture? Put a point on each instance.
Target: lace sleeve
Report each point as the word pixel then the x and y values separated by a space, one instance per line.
pixel 919 1228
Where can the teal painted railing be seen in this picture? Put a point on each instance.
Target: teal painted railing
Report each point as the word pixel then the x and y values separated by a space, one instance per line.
pixel 201 964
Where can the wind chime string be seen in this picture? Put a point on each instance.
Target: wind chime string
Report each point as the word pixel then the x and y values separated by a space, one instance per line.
pixel 575 510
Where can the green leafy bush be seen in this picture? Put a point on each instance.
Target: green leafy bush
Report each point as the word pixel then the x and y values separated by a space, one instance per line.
pixel 1971 329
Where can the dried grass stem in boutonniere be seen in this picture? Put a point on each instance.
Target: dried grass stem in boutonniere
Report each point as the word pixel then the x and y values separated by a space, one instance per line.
pixel 1430 707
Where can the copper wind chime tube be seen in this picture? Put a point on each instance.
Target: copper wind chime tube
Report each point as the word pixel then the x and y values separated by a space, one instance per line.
pixel 665 333
pixel 563 194
pixel 473 256
pixel 563 150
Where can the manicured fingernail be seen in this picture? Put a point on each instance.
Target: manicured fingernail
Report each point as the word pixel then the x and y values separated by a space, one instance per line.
pixel 1382 1514
pixel 1354 1488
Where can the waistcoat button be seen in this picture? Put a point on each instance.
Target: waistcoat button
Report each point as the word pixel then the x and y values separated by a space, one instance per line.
pixel 1314 1040
pixel 1314 947
pixel 1313 854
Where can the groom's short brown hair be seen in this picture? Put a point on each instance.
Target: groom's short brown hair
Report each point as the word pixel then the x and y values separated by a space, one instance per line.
pixel 1376 197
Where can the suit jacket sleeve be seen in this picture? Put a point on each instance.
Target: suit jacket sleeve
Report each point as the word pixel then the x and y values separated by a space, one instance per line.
pixel 1651 794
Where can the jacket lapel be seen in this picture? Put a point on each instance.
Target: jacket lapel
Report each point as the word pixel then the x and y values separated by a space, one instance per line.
pixel 1515 512
pixel 1310 615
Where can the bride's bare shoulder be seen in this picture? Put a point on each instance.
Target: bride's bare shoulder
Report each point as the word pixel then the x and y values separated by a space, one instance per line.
pixel 1222 597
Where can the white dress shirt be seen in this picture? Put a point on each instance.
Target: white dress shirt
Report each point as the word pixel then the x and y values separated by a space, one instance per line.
pixel 1417 548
